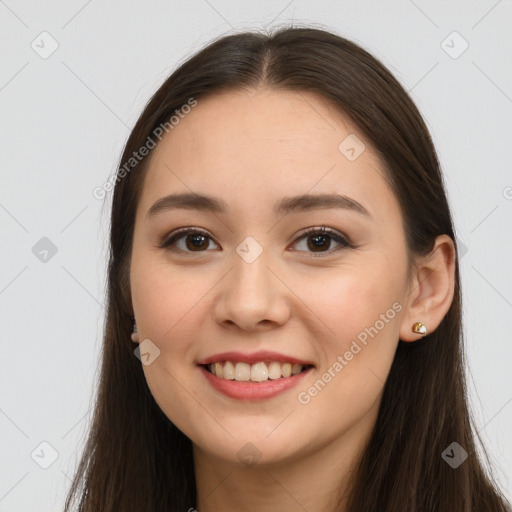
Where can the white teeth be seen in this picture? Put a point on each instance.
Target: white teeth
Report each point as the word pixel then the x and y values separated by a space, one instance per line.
pixel 286 369
pixel 229 370
pixel 218 370
pixel 274 370
pixel 258 372
pixel 242 371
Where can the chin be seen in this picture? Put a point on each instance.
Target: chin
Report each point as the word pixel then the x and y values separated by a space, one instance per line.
pixel 250 447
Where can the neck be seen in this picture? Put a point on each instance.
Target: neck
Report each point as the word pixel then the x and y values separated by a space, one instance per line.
pixel 317 481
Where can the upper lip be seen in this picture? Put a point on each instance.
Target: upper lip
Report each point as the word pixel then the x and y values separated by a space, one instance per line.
pixel 254 357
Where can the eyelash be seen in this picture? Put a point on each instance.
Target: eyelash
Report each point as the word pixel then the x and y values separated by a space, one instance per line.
pixel 323 230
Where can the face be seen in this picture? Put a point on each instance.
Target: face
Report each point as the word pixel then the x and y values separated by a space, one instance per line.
pixel 259 289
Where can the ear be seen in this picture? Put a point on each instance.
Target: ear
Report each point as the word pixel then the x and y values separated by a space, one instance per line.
pixel 431 289
pixel 134 335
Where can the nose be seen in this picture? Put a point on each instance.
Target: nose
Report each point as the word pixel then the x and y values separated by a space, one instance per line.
pixel 252 296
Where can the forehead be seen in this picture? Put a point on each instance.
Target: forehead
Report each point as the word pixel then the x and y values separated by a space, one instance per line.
pixel 254 147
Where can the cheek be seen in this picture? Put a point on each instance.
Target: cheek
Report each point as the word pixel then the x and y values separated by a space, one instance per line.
pixel 355 301
pixel 362 311
pixel 165 300
pixel 168 305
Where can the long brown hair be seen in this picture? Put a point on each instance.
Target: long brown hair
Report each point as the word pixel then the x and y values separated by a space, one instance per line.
pixel 135 459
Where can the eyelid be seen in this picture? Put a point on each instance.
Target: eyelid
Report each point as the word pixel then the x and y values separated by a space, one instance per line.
pixel 321 229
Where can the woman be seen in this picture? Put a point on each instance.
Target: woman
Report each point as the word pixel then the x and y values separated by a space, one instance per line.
pixel 284 261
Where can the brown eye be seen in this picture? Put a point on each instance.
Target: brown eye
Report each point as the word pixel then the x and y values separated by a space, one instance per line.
pixel 319 240
pixel 188 240
pixel 196 242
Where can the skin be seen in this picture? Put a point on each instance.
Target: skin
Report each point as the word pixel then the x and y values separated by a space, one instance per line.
pixel 251 149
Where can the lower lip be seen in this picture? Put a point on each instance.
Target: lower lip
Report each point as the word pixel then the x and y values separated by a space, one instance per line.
pixel 247 390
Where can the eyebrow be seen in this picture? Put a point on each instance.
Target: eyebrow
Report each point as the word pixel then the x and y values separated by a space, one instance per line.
pixel 301 203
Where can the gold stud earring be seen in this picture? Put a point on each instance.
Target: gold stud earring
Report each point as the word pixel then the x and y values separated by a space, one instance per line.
pixel 419 328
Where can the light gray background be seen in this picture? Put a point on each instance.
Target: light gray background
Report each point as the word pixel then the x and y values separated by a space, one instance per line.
pixel 64 121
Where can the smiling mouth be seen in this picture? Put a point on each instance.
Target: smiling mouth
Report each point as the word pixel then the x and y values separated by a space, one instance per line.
pixel 258 372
